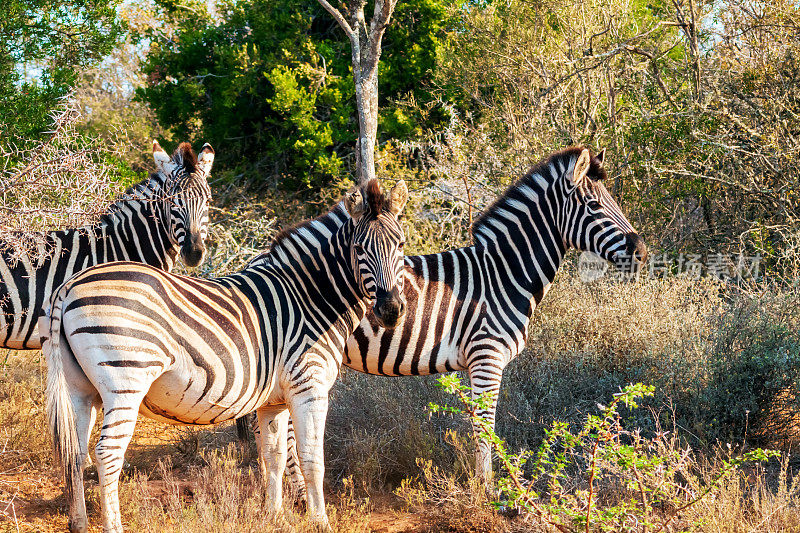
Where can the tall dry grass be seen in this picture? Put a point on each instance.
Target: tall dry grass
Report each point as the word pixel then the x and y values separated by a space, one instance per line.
pixel 220 495
pixel 23 443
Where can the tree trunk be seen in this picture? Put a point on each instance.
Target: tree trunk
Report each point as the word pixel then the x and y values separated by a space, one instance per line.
pixel 365 76
pixel 365 43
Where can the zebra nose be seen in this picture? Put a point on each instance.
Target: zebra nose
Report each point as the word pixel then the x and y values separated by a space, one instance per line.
pixel 193 251
pixel 389 307
pixel 635 248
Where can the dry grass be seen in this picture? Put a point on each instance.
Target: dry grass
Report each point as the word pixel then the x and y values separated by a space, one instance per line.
pixel 219 496
pixel 620 322
pixel 760 500
pixel 23 444
pixel 461 503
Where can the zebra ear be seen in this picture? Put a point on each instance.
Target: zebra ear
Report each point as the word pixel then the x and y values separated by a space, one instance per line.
pixel 354 203
pixel 601 157
pixel 163 160
pixel 205 159
pixel 398 197
pixel 581 167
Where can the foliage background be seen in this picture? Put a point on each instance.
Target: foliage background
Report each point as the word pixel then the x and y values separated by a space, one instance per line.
pixel 695 102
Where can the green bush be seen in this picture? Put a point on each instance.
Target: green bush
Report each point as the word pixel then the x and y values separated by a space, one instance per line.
pixel 650 483
pixel 753 370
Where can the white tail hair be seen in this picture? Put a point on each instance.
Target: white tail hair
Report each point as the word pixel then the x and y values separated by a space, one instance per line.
pixel 61 416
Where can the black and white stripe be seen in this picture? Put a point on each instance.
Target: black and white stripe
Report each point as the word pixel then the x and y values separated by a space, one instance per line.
pixel 470 308
pixel 152 223
pixel 128 338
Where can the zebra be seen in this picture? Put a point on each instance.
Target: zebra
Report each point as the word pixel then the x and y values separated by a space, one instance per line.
pixel 151 223
pixel 130 338
pixel 469 308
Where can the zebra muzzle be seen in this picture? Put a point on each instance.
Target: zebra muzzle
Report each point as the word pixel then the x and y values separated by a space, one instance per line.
pixel 635 248
pixel 193 252
pixel 633 256
pixel 389 307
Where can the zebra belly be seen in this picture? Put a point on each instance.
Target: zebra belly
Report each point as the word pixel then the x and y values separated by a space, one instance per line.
pixel 182 398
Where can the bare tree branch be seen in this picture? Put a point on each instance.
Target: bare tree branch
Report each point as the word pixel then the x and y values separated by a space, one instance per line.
pixel 337 15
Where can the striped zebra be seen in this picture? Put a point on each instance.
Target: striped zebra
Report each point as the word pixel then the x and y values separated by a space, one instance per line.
pixel 151 223
pixel 469 308
pixel 130 338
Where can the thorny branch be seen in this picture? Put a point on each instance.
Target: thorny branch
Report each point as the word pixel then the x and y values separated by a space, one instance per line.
pixel 59 182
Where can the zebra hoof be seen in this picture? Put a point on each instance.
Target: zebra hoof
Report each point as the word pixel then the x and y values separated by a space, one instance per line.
pixel 322 527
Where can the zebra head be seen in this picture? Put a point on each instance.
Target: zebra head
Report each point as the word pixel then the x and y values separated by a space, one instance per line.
pixel 377 247
pixel 592 219
pixel 186 196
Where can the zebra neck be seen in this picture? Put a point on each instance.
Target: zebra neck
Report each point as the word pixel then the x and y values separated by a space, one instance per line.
pixel 134 230
pixel 522 241
pixel 321 266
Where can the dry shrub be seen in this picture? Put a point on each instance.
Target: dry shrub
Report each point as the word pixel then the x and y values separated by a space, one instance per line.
pixel 237 234
pixel 621 322
pixel 377 427
pixel 61 182
pixel 449 502
pixel 588 340
pixel 762 499
pixel 452 175
pixel 753 370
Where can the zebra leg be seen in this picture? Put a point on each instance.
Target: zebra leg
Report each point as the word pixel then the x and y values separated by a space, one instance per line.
pixel 309 411
pixel 119 421
pixel 272 423
pixel 84 412
pixel 485 375
pixel 296 480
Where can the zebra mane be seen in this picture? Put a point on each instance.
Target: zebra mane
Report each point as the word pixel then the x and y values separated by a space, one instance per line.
pixel 538 174
pixel 375 202
pixel 374 196
pixel 287 234
pixel 146 190
pixel 184 156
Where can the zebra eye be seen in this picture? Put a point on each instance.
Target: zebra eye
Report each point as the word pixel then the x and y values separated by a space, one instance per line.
pixel 401 246
pixel 358 248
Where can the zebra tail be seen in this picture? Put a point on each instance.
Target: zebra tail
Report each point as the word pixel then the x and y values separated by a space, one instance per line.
pixel 61 416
